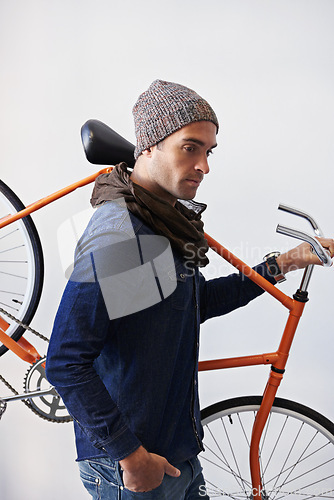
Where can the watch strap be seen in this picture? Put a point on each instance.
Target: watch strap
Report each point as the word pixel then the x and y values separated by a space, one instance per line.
pixel 273 267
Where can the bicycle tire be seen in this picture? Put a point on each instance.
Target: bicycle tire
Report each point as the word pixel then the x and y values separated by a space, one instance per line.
pixel 21 265
pixel 296 450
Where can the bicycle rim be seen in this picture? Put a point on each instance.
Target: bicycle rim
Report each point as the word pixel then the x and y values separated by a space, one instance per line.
pixel 296 451
pixel 21 266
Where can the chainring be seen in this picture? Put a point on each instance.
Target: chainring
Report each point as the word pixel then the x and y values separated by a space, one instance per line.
pixel 49 407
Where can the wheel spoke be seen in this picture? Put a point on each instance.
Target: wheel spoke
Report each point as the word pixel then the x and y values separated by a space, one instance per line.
pixel 238 475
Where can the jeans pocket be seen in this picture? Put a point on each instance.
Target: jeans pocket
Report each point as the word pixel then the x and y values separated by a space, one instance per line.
pixel 90 482
pixel 99 478
pixel 155 494
pixel 104 468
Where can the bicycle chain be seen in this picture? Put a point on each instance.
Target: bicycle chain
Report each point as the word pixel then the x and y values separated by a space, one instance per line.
pixel 26 327
pixel 14 391
pixel 35 332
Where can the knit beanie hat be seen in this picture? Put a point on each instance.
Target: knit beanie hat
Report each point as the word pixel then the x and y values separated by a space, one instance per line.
pixel 164 108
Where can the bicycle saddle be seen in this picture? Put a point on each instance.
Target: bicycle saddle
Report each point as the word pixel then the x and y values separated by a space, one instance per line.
pixel 104 146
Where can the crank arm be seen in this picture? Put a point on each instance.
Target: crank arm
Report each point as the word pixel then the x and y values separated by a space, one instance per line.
pixel 33 394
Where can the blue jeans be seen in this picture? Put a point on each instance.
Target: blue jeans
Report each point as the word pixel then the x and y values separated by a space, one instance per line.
pixel 102 477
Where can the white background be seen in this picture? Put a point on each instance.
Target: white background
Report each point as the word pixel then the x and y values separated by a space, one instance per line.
pixel 267 68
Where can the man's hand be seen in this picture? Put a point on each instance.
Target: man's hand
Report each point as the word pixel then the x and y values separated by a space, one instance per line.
pixel 303 256
pixel 145 471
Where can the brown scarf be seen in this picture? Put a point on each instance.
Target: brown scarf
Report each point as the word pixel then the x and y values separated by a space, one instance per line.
pixel 181 224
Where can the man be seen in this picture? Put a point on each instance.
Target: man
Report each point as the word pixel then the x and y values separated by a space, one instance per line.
pixel 123 359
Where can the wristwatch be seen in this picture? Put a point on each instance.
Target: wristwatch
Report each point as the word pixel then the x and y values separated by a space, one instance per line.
pixel 273 267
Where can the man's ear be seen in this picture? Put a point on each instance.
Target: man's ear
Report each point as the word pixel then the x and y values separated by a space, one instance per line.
pixel 147 152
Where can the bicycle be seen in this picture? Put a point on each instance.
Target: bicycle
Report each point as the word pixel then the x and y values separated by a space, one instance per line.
pixel 245 438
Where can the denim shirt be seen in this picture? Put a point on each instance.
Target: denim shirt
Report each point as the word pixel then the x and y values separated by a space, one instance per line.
pixel 132 380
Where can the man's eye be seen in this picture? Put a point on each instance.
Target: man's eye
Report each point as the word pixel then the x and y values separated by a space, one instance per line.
pixel 189 148
pixel 210 152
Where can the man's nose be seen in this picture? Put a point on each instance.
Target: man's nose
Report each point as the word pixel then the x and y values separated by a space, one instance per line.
pixel 203 165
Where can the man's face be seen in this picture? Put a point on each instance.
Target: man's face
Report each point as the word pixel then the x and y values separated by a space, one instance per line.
pixel 176 167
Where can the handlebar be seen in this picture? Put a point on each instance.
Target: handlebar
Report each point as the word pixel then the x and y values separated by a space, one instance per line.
pixel 320 251
pixel 300 213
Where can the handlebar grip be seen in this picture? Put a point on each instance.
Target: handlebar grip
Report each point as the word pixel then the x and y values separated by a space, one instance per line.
pixel 320 251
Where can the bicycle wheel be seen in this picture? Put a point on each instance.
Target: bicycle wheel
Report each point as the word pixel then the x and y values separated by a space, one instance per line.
pixel 296 451
pixel 21 266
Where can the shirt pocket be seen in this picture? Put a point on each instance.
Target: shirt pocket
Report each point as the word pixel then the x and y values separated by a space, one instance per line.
pixel 183 295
